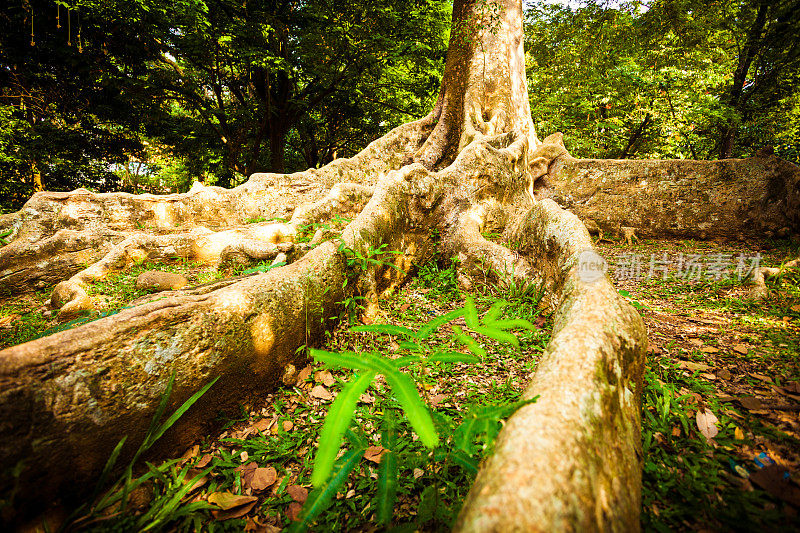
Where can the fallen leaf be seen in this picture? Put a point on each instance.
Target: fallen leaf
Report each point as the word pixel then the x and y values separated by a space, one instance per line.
pixel 751 403
pixel 796 308
pixel 191 452
pixel 350 493
pixel 325 377
pixel 760 377
pixel 724 374
pixel 288 425
pixel 741 348
pixel 190 475
pixel 393 346
pixel 7 320
pixel 236 512
pixel 244 456
pixel 709 349
pixel 227 500
pixel 203 462
pixel 298 493
pixel 321 392
pixel 792 388
pixel 366 398
pixel 707 424
pixel 738 434
pixel 263 424
pixel 772 479
pixel 418 473
pixel 404 307
pixel 263 478
pixel 436 400
pixel 539 322
pixel 676 431
pixel 694 367
pixel 305 373
pixel 374 453
pixel 293 511
pixel 695 342
pixel 247 472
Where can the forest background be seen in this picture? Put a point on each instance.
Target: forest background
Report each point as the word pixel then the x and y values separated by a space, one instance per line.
pixel 150 95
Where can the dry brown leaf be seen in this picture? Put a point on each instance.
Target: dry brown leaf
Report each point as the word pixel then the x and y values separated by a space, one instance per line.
pixel 293 511
pixel 760 377
pixel 405 307
pixel 263 424
pixel 325 377
pixel 738 434
pixel 7 320
pixel 771 479
pixel 709 349
pixel 244 456
pixel 191 474
pixel 321 392
pixel 741 348
pixel 288 425
pixel 227 500
pixel 751 403
pixel 676 431
pixel 246 472
pixel 792 388
pixel 418 473
pixel 796 308
pixel 724 374
pixel 436 400
pixel 305 373
pixel 263 478
pixel 298 493
pixel 694 367
pixel 191 452
pixel 707 424
pixel 203 462
pixel 374 453
pixel 366 398
pixel 236 512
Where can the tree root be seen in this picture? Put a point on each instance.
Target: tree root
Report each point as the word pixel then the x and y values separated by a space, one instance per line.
pixel 572 460
pixel 761 274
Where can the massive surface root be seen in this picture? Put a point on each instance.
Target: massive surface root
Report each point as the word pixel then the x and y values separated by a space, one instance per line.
pixel 474 164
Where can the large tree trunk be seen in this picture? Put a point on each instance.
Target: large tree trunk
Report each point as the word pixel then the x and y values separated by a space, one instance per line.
pixel 569 461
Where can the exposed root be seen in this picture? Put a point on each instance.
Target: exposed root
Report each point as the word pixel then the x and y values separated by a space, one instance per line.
pixel 761 274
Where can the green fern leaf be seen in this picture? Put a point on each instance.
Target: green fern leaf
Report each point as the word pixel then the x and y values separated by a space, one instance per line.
pixel 336 422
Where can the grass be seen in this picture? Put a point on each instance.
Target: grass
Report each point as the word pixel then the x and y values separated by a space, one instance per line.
pixel 688 482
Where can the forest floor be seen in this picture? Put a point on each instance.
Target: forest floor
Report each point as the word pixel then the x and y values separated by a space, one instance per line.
pixel 721 402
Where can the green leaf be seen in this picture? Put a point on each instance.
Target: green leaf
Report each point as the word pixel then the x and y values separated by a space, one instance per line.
pixel 471 314
pixel 336 422
pixel 112 460
pixel 498 335
pixel 320 498
pixel 495 311
pixel 413 407
pixel 511 324
pixel 472 345
pixel 179 412
pixel 387 329
pixel 464 460
pixel 434 324
pixel 387 487
pixel 453 357
pixel 387 472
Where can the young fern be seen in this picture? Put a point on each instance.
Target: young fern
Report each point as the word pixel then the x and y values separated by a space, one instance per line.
pixel 329 474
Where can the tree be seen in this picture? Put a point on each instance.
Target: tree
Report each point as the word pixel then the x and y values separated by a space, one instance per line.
pixel 474 162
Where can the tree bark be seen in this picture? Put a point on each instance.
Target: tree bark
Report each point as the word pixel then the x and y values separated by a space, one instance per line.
pixel 474 161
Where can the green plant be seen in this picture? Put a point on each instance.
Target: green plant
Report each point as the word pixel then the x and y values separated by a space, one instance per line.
pixel 459 444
